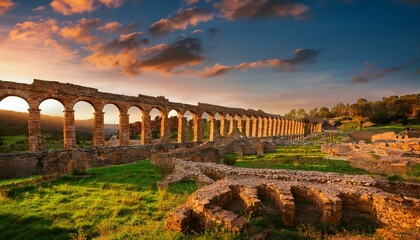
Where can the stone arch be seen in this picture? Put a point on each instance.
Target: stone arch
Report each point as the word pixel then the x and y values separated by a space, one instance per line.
pixel 209 128
pixel 158 125
pixel 96 104
pixel 81 116
pixel 173 125
pixel 52 125
pixel 20 128
pixel 248 125
pixel 113 134
pixel 135 116
pixel 223 124
pixel 15 93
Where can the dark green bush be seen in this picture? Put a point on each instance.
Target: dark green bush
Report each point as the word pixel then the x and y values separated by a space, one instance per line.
pixel 230 158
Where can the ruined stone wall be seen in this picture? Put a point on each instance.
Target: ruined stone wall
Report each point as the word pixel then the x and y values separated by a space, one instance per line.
pixel 330 198
pixel 14 165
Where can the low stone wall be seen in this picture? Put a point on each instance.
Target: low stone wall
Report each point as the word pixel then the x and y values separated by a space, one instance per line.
pixel 234 193
pixel 14 165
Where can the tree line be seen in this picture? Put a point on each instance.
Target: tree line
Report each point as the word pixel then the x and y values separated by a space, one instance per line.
pixel 396 109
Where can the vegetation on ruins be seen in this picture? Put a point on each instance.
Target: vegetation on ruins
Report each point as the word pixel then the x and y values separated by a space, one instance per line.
pixel 404 109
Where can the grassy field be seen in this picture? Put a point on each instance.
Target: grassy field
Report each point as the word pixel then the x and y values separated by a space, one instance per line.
pixel 298 158
pixel 123 202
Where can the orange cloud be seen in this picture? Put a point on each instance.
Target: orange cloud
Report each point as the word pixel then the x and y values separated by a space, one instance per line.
pixel 303 56
pixel 180 21
pixel 5 5
pixel 129 55
pixel 232 9
pixel 33 30
pixel 116 27
pixel 69 7
pixel 40 32
pixel 110 27
pixel 81 32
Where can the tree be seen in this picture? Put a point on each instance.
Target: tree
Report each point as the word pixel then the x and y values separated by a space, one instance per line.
pixel 291 114
pixel 324 112
pixel 339 110
pixel 313 112
pixel 301 114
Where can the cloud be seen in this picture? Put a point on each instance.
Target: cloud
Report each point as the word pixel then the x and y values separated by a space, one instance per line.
pixel 303 56
pixel 116 27
pixel 40 8
pixel 81 32
pixel 197 31
pixel 5 5
pixel 129 55
pixel 252 9
pixel 371 74
pixel 69 7
pixel 418 71
pixel 180 21
pixel 42 32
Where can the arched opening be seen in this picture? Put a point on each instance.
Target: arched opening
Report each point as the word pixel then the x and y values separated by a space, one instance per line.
pixel 135 118
pixel 13 125
pixel 156 117
pixel 173 125
pixel 83 121
pixel 189 131
pixel 111 127
pixel 52 124
pixel 254 126
pixel 206 127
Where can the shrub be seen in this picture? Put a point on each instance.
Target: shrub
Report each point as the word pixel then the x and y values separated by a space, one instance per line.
pixel 230 158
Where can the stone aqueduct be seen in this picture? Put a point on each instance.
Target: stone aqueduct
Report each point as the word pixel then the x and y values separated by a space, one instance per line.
pixel 250 123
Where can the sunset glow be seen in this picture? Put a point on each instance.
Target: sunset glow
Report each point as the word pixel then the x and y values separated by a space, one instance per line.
pixel 271 55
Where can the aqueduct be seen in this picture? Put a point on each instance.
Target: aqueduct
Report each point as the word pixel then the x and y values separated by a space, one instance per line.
pixel 249 122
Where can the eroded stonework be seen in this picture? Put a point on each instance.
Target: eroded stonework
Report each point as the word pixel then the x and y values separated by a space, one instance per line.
pixel 235 193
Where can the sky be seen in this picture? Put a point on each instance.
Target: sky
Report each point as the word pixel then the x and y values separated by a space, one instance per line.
pixel 273 55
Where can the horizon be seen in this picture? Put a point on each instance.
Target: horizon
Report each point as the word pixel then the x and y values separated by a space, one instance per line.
pixel 271 55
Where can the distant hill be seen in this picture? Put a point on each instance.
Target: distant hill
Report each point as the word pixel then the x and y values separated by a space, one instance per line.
pixel 16 123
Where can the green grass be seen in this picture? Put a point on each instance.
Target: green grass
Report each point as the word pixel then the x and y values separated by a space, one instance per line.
pixel 118 202
pixel 307 158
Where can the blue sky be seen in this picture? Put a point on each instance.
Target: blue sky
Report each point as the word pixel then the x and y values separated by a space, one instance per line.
pixel 273 55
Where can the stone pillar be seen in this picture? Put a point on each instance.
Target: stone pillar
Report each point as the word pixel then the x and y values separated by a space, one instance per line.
pixel 69 130
pixel 231 123
pixel 265 127
pixel 182 128
pixel 254 127
pixel 260 126
pixel 124 129
pixel 274 129
pixel 293 127
pixel 198 128
pixel 248 127
pixel 213 128
pixel 286 127
pixel 239 124
pixel 223 126
pixel 146 137
pixel 98 129
pixel 165 135
pixel 34 127
pixel 270 127
pixel 283 123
